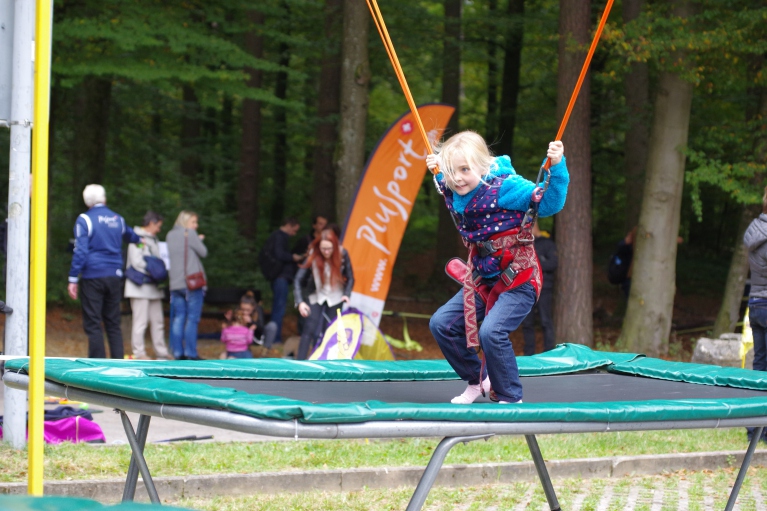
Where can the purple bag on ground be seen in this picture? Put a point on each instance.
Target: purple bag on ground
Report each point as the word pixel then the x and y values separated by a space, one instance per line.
pixel 71 429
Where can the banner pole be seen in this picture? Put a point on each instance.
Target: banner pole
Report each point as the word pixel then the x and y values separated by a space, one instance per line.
pixel 43 29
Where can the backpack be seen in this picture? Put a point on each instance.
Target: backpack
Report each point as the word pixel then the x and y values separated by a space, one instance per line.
pixel 620 262
pixel 155 268
pixel 271 267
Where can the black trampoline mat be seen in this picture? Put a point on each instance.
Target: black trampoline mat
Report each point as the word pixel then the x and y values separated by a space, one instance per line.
pixel 569 388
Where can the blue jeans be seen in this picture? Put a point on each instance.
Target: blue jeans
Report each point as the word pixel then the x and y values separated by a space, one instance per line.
pixel 280 287
pixel 448 327
pixel 757 317
pixel 186 307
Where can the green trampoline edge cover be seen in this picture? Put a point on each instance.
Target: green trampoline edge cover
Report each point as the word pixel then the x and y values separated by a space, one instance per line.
pixel 27 503
pixel 158 382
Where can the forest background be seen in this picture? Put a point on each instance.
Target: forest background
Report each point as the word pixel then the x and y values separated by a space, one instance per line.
pixel 247 112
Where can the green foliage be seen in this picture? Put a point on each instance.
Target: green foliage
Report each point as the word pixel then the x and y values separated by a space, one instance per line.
pixel 148 50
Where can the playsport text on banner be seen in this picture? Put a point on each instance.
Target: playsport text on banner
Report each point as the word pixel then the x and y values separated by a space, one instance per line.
pixel 378 216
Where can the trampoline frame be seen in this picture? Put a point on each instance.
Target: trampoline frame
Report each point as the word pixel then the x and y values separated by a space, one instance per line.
pixel 453 433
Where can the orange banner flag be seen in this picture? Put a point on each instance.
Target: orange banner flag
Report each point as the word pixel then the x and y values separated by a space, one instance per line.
pixel 378 216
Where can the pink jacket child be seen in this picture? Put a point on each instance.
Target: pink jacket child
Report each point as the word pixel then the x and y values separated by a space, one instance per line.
pixel 237 337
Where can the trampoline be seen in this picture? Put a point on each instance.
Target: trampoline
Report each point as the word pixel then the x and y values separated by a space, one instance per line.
pixel 571 389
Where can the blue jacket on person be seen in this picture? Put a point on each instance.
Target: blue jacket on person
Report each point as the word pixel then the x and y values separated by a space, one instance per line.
pixel 99 235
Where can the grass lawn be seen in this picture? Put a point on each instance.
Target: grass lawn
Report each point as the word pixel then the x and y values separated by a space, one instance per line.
pixel 695 491
pixel 81 461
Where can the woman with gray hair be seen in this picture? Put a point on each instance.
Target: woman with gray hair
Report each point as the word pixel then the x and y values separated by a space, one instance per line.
pixel 146 298
pixel 187 284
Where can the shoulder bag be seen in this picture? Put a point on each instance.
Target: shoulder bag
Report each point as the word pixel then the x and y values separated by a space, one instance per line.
pixel 195 280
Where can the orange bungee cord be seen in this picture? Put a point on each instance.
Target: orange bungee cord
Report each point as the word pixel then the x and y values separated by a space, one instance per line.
pixel 389 46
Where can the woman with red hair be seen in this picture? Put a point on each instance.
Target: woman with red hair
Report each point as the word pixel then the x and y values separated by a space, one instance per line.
pixel 322 285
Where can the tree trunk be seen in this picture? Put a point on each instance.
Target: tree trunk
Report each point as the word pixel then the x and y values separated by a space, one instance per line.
pixel 191 165
pixel 637 90
pixel 512 63
pixel 647 324
pixel 250 151
pixel 491 118
pixel 280 142
pixel 355 78
pixel 93 102
pixel 328 108
pixel 448 240
pixel 573 308
pixel 729 311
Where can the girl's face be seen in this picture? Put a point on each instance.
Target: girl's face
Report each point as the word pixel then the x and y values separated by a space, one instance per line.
pixel 192 223
pixel 326 249
pixel 464 179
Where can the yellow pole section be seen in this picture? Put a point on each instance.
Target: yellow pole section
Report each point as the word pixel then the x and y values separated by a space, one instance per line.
pixel 38 244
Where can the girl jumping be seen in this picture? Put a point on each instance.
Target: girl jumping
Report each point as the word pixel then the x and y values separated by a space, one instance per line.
pixel 488 201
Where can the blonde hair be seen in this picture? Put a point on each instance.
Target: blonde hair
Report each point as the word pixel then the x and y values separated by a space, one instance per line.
pixel 472 147
pixel 184 217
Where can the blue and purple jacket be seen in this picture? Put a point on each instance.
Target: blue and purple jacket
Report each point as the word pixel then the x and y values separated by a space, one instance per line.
pixel 499 204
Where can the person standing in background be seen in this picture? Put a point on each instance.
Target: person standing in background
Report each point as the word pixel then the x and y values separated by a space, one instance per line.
pixel 97 270
pixel 302 245
pixel 755 239
pixel 278 265
pixel 185 249
pixel 547 255
pixel 146 299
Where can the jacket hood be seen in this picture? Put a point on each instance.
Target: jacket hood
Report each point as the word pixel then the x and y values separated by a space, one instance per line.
pixel 756 234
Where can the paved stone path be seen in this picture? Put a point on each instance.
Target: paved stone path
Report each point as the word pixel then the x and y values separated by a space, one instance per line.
pixel 657 498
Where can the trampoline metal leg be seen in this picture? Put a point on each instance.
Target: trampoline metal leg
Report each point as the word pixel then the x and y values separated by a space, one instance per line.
pixel 743 469
pixel 543 474
pixel 132 479
pixel 432 469
pixel 138 455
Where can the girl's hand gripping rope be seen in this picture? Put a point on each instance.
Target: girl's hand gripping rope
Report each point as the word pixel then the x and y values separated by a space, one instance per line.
pixel 555 152
pixel 432 162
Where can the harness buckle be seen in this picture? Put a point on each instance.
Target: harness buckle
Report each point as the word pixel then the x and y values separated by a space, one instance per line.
pixel 485 248
pixel 476 278
pixel 508 275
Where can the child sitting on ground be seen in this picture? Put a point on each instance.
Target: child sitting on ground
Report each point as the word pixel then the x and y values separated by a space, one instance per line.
pixel 237 336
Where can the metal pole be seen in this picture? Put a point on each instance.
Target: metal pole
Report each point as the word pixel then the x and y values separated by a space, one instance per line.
pixel 138 456
pixel 39 243
pixel 17 276
pixel 543 474
pixel 6 60
pixel 129 492
pixel 757 434
pixel 432 469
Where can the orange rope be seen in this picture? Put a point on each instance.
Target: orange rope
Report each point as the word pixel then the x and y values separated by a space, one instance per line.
pixel 389 46
pixel 381 26
pixel 582 76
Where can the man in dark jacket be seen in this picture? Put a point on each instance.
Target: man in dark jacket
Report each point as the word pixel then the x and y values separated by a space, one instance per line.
pixel 547 255
pixel 96 273
pixel 278 246
pixel 755 239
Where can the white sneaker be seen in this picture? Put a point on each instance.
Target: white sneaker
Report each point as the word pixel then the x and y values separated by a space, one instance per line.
pixel 471 393
pixel 509 402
